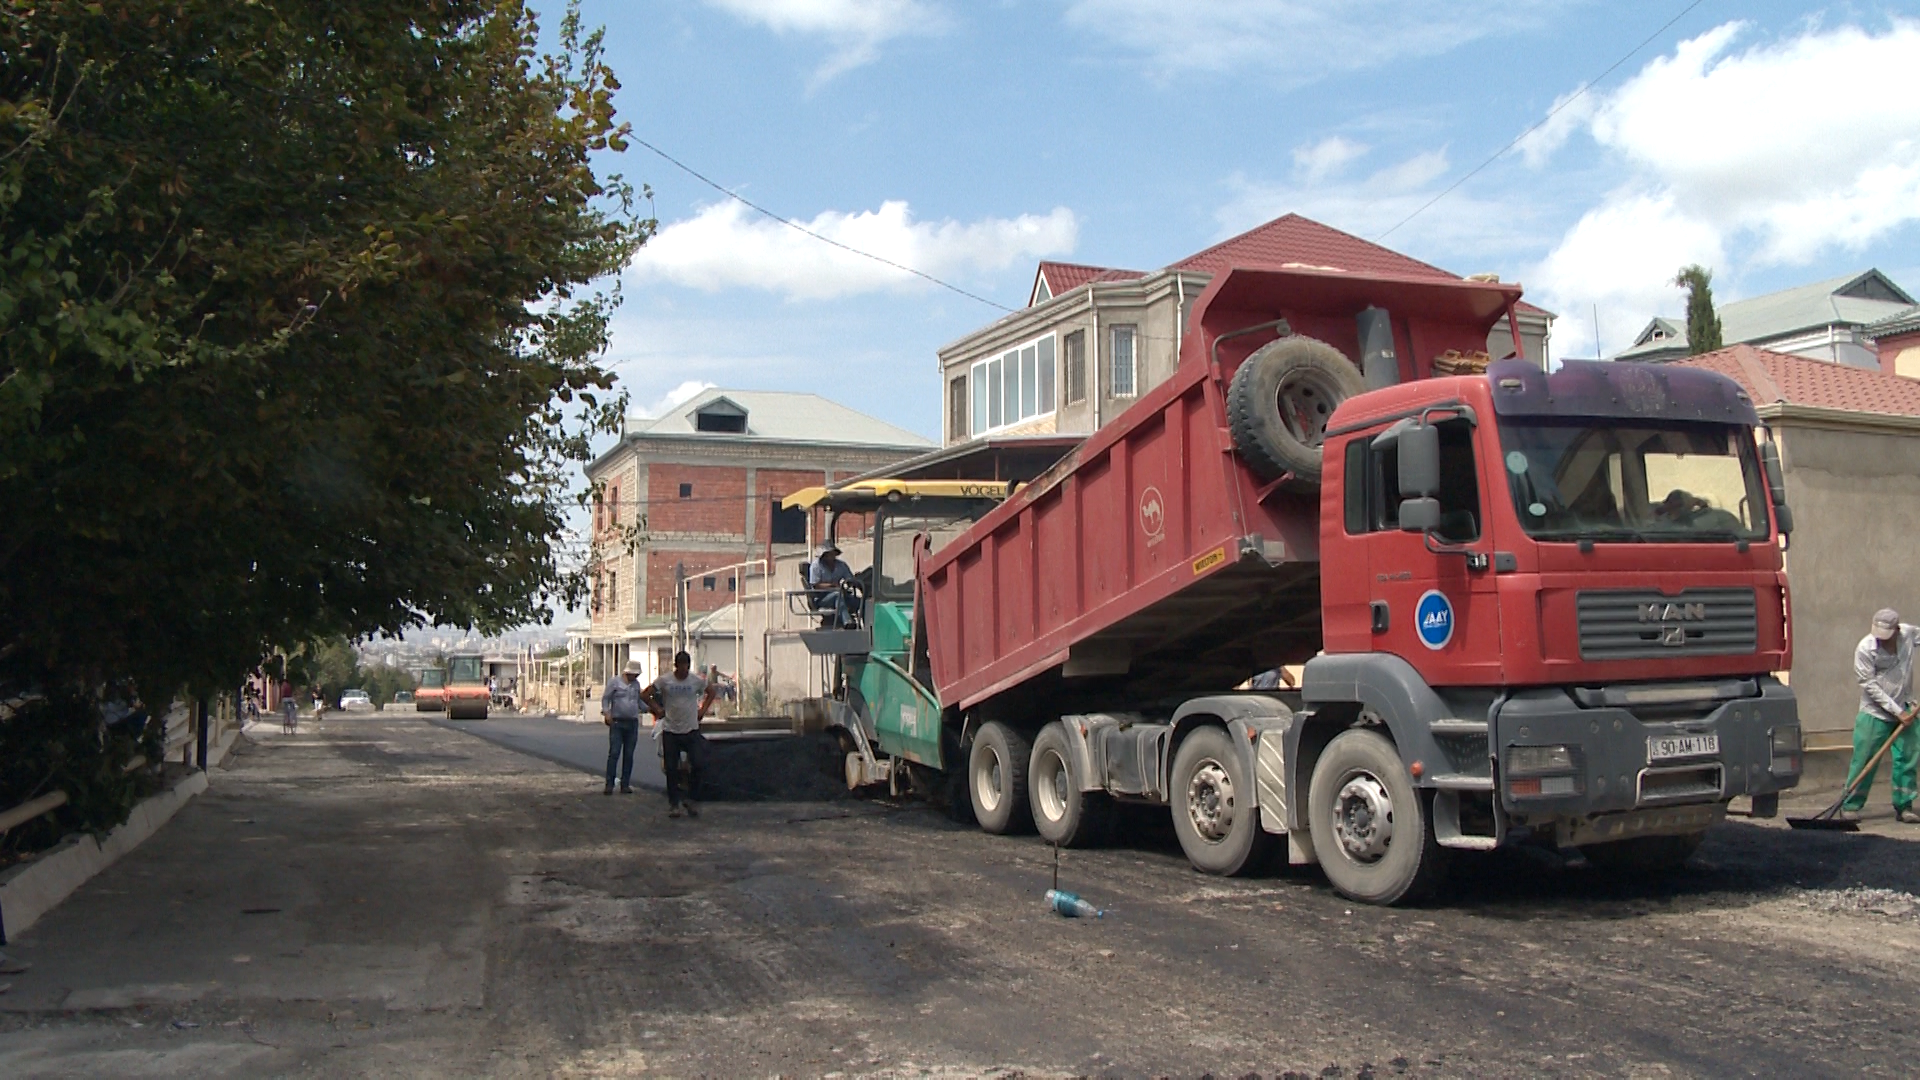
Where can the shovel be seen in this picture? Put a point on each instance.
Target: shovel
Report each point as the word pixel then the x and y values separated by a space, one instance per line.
pixel 1827 819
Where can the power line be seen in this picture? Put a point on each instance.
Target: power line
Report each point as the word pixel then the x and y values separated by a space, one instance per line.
pixel 797 227
pixel 1538 124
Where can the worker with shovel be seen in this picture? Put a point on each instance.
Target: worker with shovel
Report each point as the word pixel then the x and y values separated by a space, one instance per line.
pixel 1884 665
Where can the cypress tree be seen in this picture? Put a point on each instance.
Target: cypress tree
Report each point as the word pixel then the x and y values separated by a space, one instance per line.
pixel 1703 325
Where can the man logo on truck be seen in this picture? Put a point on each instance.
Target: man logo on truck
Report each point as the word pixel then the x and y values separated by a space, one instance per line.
pixel 1433 619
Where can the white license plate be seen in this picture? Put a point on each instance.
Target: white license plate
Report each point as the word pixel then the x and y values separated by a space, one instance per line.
pixel 1662 747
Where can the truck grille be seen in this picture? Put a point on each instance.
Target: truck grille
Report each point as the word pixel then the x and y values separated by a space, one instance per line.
pixel 1640 624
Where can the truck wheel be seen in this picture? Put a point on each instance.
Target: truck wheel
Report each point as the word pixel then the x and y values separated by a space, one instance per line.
pixel 1644 854
pixel 1062 813
pixel 1372 829
pixel 997 779
pixel 1280 401
pixel 1213 811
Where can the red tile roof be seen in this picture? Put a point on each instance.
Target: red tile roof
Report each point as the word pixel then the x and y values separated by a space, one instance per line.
pixel 1065 277
pixel 1770 376
pixel 1294 239
pixel 1288 240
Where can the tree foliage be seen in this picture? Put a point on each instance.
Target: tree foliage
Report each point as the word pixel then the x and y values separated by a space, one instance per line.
pixel 1703 325
pixel 297 331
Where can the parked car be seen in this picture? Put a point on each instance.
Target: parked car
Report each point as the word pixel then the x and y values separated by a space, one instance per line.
pixel 403 698
pixel 355 701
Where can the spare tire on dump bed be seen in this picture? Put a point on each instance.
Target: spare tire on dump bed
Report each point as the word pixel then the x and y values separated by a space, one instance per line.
pixel 1280 401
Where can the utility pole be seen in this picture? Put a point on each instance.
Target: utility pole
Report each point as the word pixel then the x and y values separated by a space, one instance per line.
pixel 679 606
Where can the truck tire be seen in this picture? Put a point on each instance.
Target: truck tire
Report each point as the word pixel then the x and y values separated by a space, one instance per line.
pixel 1280 401
pixel 997 779
pixel 1213 811
pixel 1372 829
pixel 1063 814
pixel 1644 854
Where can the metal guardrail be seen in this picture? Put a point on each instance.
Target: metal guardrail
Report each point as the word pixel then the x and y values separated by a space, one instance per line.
pixel 31 809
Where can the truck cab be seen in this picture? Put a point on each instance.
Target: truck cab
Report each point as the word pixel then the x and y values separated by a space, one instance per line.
pixel 1567 592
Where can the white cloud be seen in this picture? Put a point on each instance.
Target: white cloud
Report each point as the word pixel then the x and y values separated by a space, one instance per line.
pixel 676 397
pixel 853 29
pixel 1776 155
pixel 1330 155
pixel 1621 259
pixel 1294 42
pixel 1325 188
pixel 728 246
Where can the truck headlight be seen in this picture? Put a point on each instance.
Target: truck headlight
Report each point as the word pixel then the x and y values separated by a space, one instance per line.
pixel 1533 760
pixel 1786 749
pixel 1535 772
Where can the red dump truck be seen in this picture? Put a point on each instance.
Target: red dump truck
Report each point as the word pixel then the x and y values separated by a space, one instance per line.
pixel 1531 607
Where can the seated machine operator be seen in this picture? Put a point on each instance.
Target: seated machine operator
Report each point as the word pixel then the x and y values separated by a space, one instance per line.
pixel 825 576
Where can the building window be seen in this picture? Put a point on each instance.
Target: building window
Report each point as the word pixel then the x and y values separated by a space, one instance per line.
pixel 1014 387
pixel 1122 381
pixel 707 583
pixel 599 512
pixel 613 592
pixel 787 526
pixel 686 491
pixel 613 507
pixel 957 408
pixel 731 584
pixel 725 423
pixel 596 594
pixel 1073 358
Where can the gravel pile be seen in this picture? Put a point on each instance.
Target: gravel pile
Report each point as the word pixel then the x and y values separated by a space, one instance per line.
pixel 1864 901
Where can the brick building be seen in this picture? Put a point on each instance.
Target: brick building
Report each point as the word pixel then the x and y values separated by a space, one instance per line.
pixel 697 491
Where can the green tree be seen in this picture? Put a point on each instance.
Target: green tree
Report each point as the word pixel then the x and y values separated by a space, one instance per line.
pixel 381 682
pixel 298 337
pixel 1703 326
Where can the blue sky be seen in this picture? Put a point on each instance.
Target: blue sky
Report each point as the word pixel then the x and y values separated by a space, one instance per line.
pixel 1776 143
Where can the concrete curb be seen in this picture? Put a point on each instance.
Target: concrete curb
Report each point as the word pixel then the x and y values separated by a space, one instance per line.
pixel 31 889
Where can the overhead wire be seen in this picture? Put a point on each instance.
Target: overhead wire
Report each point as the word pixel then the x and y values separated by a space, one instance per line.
pixel 1542 122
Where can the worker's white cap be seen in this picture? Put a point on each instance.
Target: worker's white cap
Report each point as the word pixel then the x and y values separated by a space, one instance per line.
pixel 1886 623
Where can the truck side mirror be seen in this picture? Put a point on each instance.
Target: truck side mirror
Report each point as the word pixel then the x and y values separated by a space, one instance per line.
pixel 1420 461
pixel 1420 515
pixel 1776 479
pixel 1783 514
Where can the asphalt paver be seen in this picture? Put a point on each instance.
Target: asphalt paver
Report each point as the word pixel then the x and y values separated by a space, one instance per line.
pixel 383 895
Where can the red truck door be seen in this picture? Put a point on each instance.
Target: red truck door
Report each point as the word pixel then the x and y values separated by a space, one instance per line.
pixel 1441 607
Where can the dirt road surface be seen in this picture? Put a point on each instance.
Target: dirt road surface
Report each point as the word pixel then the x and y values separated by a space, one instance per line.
pixel 381 895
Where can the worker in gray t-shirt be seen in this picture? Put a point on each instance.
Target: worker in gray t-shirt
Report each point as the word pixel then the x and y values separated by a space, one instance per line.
pixel 679 702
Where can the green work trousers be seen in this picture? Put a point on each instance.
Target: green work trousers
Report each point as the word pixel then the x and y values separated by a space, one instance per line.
pixel 1869 731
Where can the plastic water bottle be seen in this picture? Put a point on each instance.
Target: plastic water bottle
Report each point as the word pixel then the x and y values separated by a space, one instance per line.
pixel 1072 906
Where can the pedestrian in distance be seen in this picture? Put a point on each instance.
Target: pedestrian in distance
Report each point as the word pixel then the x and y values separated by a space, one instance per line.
pixel 679 702
pixel 289 714
pixel 620 710
pixel 1883 664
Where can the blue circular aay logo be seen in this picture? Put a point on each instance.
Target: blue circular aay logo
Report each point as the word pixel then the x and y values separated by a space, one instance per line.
pixel 1433 619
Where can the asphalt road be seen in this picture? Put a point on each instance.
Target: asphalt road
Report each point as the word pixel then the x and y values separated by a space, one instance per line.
pixel 565 742
pixel 382 895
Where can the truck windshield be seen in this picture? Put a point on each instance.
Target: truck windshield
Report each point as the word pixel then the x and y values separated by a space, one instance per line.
pixel 433 677
pixel 464 670
pixel 893 557
pixel 1667 483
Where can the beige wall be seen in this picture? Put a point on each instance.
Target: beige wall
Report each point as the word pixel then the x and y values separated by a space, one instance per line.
pixel 1855 494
